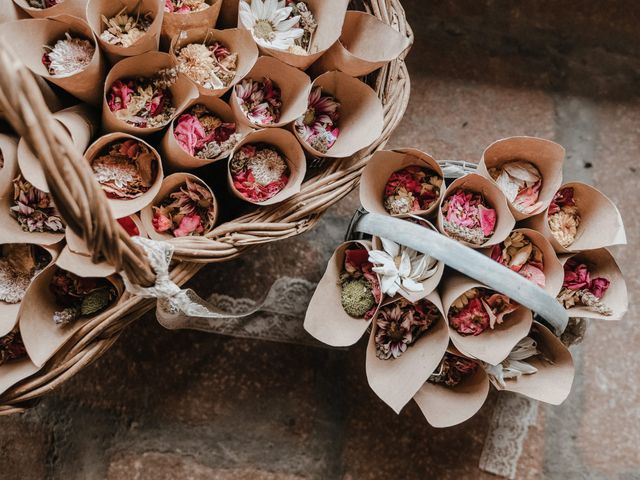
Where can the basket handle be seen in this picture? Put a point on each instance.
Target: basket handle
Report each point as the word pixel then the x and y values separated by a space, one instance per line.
pixel 467 261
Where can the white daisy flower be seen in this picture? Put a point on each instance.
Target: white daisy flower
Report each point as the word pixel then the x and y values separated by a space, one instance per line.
pixel 269 23
pixel 514 366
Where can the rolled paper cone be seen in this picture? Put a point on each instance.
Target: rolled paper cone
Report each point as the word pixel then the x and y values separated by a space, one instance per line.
pixel 13 12
pixel 545 155
pixel 42 337
pixel 366 44
pixel 75 8
pixel 236 40
pixel 124 207
pixel 600 221
pixel 169 185
pixel 80 121
pixel 179 159
pixel 329 15
pixel 325 319
pixel 361 114
pixel 145 66
pixel 148 42
pixel 492 345
pixel 28 37
pixel 294 85
pixel 15 371
pixel 382 165
pixel 9 170
pixel 495 199
pixel 397 380
pixel 229 14
pixel 288 146
pixel 174 23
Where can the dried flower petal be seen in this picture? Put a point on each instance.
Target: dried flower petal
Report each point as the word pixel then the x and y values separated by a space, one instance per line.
pixel 33 209
pixel 212 66
pixel 564 218
pixel 68 56
pixel 19 263
pixel 467 217
pixel 185 6
pixel 318 127
pixel 521 183
pixel 453 369
pixel 478 309
pixel 359 285
pixel 260 101
pixel 125 29
pixel 12 347
pixel 42 4
pixel 259 171
pixel 202 134
pixel 579 289
pixel 272 24
pixel 411 189
pixel 519 254
pixel 514 366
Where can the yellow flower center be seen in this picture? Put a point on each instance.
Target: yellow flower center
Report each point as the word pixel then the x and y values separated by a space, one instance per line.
pixel 264 29
pixel 309 116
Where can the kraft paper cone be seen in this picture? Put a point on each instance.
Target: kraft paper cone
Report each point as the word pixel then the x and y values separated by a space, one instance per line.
pixel 15 371
pixel 366 44
pixel 42 337
pixel 381 166
pixel 236 40
pixel 9 151
pixel 494 198
pixel 148 42
pixel 600 221
pixel 545 155
pixel 552 382
pixel 397 380
pixel 329 15
pixel 68 7
pixel 286 143
pixel 175 156
pixel 361 114
pixel 174 23
pixel 325 319
pixel 28 37
pixel 81 123
pixel 228 14
pixel 491 346
pixel 13 12
pixel 146 66
pixel 602 264
pixel 169 185
pixel 294 85
pixel 124 208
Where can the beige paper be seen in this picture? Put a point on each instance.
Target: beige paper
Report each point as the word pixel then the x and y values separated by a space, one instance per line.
pixel 494 198
pixel 382 165
pixel 229 14
pixel 294 85
pixel 123 208
pixel 361 114
pixel 286 143
pixel 236 40
pixel 366 44
pixel 68 7
pixel 174 23
pixel 13 372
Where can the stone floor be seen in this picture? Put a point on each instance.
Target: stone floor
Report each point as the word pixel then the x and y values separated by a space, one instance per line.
pixel 189 405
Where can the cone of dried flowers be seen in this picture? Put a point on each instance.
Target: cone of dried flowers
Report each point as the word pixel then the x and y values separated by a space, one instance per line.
pixel 346 298
pixel 455 391
pixel 528 170
pixel 128 169
pixel 205 132
pixel 475 212
pixel 593 286
pixel 182 15
pixel 61 50
pixel 343 115
pixel 366 44
pixel 185 206
pixel 580 217
pixel 126 28
pixel 52 8
pixel 267 167
pixel 406 345
pixel 401 183
pixel 483 324
pixel 214 60
pixel 57 304
pixel 294 31
pixel 273 94
pixel 539 367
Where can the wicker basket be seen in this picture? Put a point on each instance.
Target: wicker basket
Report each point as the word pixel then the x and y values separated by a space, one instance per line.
pixel 84 208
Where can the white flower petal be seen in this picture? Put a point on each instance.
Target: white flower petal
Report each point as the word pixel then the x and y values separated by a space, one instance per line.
pixel 392 248
pixel 412 286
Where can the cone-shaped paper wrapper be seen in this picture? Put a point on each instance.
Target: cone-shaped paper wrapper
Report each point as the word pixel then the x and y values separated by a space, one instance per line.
pixel 124 207
pixel 28 38
pixel 325 319
pixel 14 372
pixel 552 382
pixel 494 199
pixel 381 166
pixel 80 121
pixel 600 221
pixel 146 65
pixel 174 23
pixel 229 14
pixel 329 15
pixel 171 184
pixel 397 380
pixel 294 85
pixel 236 40
pixel 148 42
pixel 602 264
pixel 76 8
pixel 42 337
pixel 288 146
pixel 176 157
pixel 12 12
pixel 361 115
pixel 545 155
pixel 492 345
pixel 9 170
pixel 365 45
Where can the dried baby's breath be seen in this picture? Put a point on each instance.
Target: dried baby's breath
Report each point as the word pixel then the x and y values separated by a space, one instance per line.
pixel 125 29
